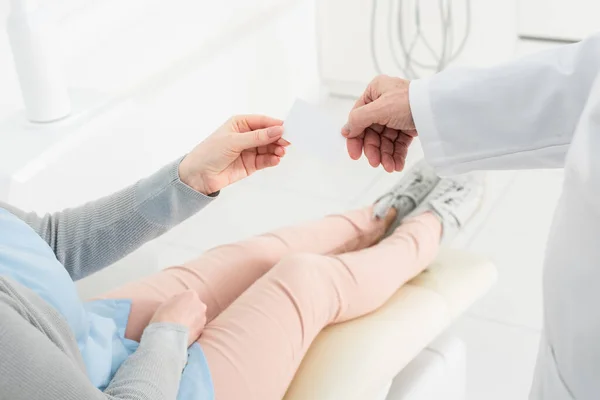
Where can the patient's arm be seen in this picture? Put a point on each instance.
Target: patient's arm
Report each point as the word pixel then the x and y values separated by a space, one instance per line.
pixel 90 237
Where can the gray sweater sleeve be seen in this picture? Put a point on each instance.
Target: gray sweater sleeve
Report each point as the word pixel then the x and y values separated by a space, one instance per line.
pixel 90 237
pixel 33 367
pixel 154 370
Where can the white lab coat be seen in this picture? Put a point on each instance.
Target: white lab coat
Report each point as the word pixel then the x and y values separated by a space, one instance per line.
pixel 542 111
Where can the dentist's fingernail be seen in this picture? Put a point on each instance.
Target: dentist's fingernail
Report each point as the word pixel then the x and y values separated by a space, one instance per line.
pixel 346 130
pixel 275 131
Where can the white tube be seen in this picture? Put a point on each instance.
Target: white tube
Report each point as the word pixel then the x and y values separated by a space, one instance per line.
pixel 38 61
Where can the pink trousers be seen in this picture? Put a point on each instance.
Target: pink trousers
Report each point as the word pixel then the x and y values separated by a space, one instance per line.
pixel 268 297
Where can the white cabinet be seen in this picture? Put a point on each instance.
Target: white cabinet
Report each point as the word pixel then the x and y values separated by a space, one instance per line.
pixel 438 372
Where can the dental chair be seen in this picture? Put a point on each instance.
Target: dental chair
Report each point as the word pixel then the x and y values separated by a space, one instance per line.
pixel 399 352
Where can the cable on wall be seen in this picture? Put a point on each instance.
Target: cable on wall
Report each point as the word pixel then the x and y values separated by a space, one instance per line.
pixel 405 60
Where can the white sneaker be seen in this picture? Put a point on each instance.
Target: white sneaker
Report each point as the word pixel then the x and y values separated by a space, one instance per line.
pixel 408 193
pixel 454 200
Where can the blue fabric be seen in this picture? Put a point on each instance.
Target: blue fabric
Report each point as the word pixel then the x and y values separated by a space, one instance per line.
pixel 99 326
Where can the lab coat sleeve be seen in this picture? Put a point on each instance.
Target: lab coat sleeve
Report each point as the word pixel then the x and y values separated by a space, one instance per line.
pixel 519 115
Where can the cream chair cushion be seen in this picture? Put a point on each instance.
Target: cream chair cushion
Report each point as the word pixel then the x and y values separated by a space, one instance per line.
pixel 354 359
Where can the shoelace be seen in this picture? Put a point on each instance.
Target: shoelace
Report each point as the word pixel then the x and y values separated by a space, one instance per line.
pixel 415 184
pixel 416 188
pixel 383 206
pixel 447 186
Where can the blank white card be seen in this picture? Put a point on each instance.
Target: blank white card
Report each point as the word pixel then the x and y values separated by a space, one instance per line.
pixel 313 132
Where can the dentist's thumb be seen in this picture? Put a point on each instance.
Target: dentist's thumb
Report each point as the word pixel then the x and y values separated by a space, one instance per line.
pixel 259 137
pixel 362 117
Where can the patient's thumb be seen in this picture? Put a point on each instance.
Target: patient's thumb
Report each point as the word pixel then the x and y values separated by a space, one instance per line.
pixel 259 137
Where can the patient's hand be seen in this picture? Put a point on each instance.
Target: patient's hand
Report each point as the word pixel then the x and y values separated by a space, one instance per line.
pixel 185 309
pixel 242 146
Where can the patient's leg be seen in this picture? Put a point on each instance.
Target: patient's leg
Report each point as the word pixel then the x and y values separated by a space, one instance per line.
pixel 223 273
pixel 254 347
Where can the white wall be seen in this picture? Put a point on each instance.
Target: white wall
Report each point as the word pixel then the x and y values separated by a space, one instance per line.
pixel 344 26
pixel 116 45
pixel 178 80
pixel 558 19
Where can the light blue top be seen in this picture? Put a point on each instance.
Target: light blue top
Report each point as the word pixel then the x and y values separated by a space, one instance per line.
pixel 98 326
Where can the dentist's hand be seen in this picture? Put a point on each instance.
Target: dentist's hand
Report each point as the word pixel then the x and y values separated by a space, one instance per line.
pixel 381 124
pixel 242 146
